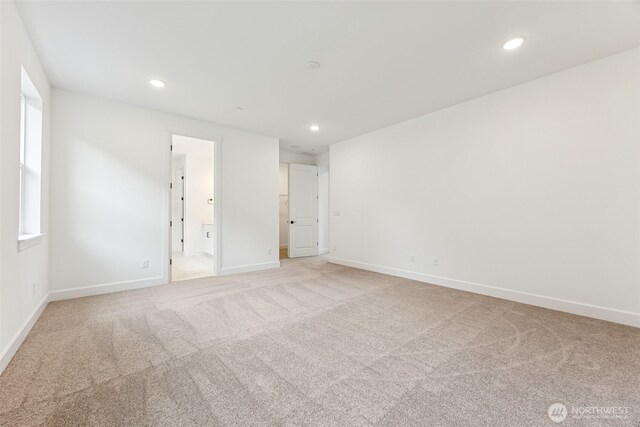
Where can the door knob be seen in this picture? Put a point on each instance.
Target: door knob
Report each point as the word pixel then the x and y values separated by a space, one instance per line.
pixel 293 222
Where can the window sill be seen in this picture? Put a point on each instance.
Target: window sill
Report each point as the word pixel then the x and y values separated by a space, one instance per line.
pixel 27 241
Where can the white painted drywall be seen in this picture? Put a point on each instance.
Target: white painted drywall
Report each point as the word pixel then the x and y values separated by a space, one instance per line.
pixel 283 174
pixel 20 270
pixel 110 181
pixel 290 157
pixel 198 185
pixel 533 190
pixel 322 159
pixel 323 209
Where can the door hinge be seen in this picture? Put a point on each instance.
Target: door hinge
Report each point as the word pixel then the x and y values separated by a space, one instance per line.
pixel 182 177
pixel 181 240
pixel 170 223
pixel 171 185
pixel 171 147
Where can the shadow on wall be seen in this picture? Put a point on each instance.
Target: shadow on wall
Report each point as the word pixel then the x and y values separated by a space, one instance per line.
pixel 118 218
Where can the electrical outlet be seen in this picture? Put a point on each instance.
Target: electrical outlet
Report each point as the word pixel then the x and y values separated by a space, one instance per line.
pixel 436 261
pixel 412 258
pixel 268 251
pixel 144 263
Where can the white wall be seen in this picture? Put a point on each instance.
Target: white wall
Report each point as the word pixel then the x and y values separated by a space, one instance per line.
pixel 303 159
pixel 111 181
pixel 323 209
pixel 198 169
pixel 530 194
pixel 19 306
pixel 323 161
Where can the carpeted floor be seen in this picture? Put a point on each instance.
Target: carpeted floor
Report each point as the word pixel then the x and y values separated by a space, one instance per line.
pixel 316 344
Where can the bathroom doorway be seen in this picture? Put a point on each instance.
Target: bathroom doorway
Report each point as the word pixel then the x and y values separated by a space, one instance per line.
pixel 193 229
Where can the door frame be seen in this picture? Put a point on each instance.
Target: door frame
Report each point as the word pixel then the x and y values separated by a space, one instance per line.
pixel 217 193
pixel 182 214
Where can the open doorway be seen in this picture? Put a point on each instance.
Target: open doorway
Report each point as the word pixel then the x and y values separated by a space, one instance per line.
pixel 284 210
pixel 304 210
pixel 193 230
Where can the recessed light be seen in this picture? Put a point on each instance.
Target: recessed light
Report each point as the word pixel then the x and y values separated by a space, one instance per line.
pixel 514 43
pixel 314 128
pixel 295 147
pixel 157 83
pixel 239 108
pixel 313 65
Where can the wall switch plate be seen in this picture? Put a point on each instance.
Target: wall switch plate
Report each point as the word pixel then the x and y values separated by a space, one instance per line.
pixel 436 261
pixel 412 258
pixel 144 263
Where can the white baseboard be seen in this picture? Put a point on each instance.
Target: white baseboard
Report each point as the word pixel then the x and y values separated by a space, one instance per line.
pixel 323 251
pixel 106 288
pixel 249 268
pixel 574 307
pixel 16 341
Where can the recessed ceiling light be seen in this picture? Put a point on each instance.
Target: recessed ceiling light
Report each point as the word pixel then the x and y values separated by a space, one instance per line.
pixel 295 147
pixel 239 108
pixel 157 83
pixel 313 65
pixel 314 128
pixel 514 43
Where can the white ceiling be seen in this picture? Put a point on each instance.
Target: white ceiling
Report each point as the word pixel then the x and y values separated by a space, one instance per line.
pixel 382 62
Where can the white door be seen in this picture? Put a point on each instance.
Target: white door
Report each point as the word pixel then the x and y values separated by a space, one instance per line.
pixel 303 210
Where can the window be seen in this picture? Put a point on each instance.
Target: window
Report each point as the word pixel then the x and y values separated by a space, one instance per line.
pixel 29 230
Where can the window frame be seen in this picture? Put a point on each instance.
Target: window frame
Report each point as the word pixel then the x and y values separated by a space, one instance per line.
pixel 30 165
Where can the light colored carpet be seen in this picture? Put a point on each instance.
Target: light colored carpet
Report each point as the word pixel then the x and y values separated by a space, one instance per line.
pixel 314 344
